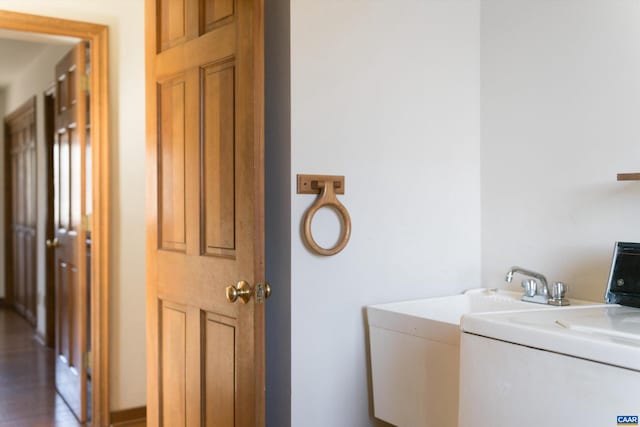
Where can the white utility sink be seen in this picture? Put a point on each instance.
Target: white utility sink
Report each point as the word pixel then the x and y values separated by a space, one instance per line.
pixel 414 348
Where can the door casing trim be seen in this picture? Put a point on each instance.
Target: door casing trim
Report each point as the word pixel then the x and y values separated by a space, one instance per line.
pixel 98 35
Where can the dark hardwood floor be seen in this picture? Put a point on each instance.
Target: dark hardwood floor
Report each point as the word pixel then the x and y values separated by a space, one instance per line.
pixel 27 390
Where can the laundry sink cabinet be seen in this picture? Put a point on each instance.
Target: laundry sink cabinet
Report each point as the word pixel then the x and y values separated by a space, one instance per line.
pixel 414 350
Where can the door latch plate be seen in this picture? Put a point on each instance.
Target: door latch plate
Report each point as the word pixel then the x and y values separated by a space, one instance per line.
pixel 262 292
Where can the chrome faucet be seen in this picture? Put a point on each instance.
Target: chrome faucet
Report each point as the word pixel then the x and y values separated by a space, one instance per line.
pixel 539 294
pixel 532 292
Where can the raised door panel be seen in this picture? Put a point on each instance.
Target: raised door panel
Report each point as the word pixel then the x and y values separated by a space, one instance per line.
pixel 62 94
pixel 18 195
pixel 172 98
pixel 15 187
pixel 20 269
pixel 76 171
pixel 19 198
pixel 69 355
pixel 30 275
pixel 173 353
pixel 216 12
pixel 64 307
pixel 219 344
pixel 30 184
pixel 57 186
pixel 75 351
pixel 66 276
pixel 171 22
pixel 218 177
pixel 64 184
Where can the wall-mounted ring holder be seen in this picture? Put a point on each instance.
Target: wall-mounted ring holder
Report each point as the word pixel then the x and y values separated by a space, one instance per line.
pixel 327 186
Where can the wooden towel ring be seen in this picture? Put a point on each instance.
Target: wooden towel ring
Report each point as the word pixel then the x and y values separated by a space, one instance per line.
pixel 327 198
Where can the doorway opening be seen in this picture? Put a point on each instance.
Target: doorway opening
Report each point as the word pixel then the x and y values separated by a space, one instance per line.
pixel 85 146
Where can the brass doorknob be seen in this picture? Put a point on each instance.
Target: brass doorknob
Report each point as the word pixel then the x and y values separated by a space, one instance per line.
pixel 243 291
pixel 52 243
pixel 240 291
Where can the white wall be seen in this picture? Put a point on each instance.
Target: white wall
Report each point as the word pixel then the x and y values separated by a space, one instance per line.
pixel 560 100
pixel 33 81
pixel 125 19
pixel 387 94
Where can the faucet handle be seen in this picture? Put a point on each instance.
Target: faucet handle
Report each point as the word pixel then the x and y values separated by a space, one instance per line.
pixel 530 287
pixel 558 290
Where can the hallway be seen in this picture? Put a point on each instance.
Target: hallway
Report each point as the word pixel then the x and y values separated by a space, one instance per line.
pixel 27 391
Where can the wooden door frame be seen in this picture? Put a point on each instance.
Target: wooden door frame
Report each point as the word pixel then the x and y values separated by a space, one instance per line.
pixel 99 113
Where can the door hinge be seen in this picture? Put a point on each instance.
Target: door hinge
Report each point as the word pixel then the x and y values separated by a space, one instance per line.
pixel 85 83
pixel 87 360
pixel 86 222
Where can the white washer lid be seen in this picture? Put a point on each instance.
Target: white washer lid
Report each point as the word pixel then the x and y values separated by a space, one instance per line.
pixel 607 333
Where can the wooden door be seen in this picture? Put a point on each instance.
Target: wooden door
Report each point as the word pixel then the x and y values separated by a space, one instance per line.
pixel 205 212
pixel 69 155
pixel 49 261
pixel 21 133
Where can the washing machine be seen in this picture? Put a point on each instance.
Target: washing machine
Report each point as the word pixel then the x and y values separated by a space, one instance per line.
pixel 578 366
